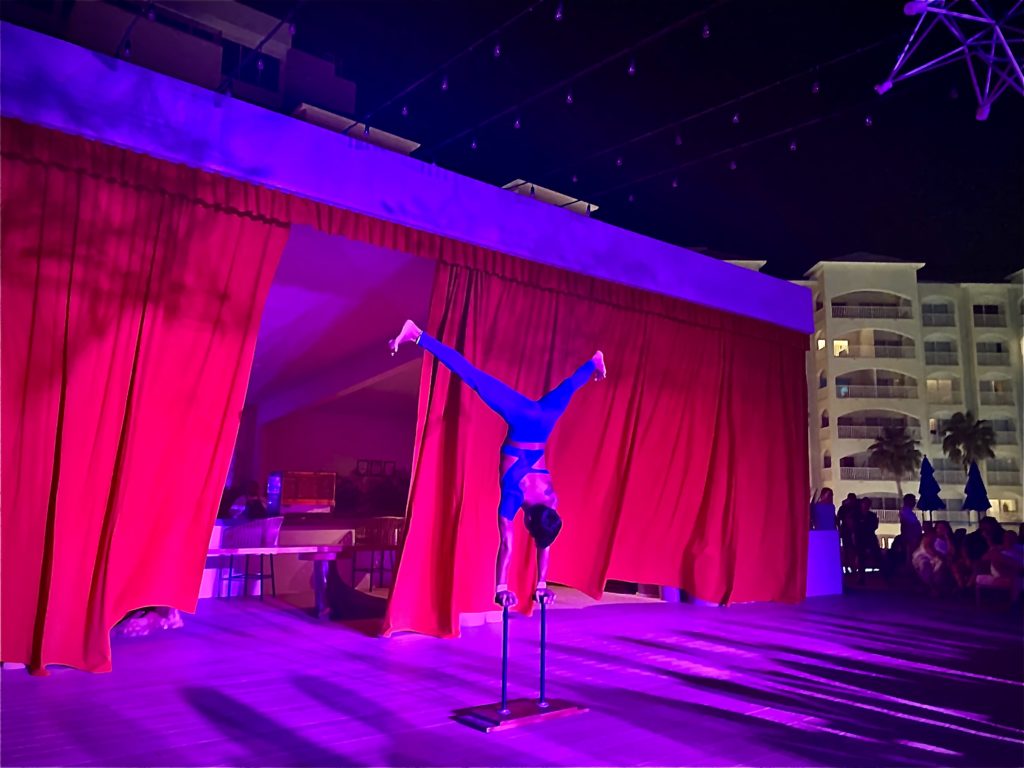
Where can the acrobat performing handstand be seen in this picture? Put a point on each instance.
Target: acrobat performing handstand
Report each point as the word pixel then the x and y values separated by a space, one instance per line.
pixel 525 480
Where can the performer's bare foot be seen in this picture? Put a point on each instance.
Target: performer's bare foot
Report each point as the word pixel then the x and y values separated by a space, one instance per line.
pixel 598 360
pixel 410 332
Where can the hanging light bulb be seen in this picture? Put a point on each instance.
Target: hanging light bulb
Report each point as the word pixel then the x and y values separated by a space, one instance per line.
pixel 868 122
pixel 444 83
pixel 259 64
pixel 405 110
pixel 559 12
pixel 815 88
pixel 568 97
pixel 497 50
pixel 631 198
pixel 675 183
pixel 631 69
pixel 732 165
pixel 679 139
pixel 618 162
pixel 736 118
pixel 472 143
pixel 706 31
pixel 517 124
pixel 792 146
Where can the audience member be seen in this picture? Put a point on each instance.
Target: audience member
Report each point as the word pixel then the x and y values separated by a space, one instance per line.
pixel 823 512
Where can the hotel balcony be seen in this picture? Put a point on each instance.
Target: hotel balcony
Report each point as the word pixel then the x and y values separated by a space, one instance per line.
pixel 941 358
pixel 1005 437
pixel 873 312
pixel 865 432
pixel 993 358
pixel 862 473
pixel 953 477
pixel 1004 478
pixel 845 391
pixel 938 319
pixel 990 321
pixel 945 398
pixel 996 398
pixel 879 351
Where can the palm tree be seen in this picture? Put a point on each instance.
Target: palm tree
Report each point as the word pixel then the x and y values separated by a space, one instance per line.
pixel 895 453
pixel 968 440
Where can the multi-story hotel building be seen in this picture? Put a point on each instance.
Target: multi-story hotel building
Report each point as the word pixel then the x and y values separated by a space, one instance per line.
pixel 889 350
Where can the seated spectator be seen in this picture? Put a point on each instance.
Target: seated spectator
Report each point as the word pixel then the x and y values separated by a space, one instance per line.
pixel 931 566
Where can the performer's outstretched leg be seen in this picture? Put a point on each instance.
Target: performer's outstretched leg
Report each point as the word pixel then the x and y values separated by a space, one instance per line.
pixel 497 395
pixel 558 398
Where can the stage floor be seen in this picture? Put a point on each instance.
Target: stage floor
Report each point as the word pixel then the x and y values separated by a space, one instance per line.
pixel 865 679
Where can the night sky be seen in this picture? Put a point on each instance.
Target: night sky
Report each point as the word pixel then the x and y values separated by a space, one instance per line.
pixel 925 182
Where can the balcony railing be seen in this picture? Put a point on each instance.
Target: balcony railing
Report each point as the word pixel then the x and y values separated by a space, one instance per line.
pixel 876 312
pixel 878 351
pixel 993 358
pixel 1006 437
pixel 844 391
pixel 951 476
pixel 996 398
pixel 941 358
pixel 866 432
pixel 1004 477
pixel 861 473
pixel 990 321
pixel 938 320
pixel 946 397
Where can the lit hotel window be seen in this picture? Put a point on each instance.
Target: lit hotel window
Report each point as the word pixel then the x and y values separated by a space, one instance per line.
pixel 840 348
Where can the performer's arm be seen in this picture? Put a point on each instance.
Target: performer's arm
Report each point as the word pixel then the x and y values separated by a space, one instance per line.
pixel 542 593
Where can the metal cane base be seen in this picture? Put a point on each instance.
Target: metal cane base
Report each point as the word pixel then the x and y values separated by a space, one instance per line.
pixel 488 717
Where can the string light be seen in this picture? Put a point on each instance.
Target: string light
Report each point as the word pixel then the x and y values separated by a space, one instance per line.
pixel 444 83
pixel 631 69
pixel 815 87
pixel 868 122
pixel 736 118
pixel 732 165
pixel 631 198
pixel 706 31
pixel 405 110
pixel 618 162
pixel 568 97
pixel 259 64
pixel 675 183
pixel 517 124
pixel 792 146
pixel 559 12
pixel 679 139
pixel 472 144
pixel 497 50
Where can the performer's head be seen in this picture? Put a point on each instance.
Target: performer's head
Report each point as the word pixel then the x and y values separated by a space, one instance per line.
pixel 543 524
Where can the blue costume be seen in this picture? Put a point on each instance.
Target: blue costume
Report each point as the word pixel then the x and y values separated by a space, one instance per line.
pixel 529 421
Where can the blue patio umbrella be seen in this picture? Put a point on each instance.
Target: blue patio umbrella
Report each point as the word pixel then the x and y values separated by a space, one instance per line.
pixel 976 495
pixel 928 491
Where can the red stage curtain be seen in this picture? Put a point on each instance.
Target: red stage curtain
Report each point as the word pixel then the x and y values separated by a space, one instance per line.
pixel 686 467
pixel 131 296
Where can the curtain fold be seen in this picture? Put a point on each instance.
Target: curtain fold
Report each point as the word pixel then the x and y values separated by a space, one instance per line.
pixel 686 467
pixel 131 296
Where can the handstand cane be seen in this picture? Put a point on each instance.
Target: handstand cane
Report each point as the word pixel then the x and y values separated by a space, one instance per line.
pixel 509 714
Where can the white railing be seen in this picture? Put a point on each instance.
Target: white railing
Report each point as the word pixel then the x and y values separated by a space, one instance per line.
pixel 868 312
pixel 993 358
pixel 1004 477
pixel 861 473
pixel 990 321
pixel 844 391
pixel 938 320
pixel 878 351
pixel 866 432
pixel 1005 437
pixel 951 476
pixel 941 358
pixel 997 398
pixel 945 397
